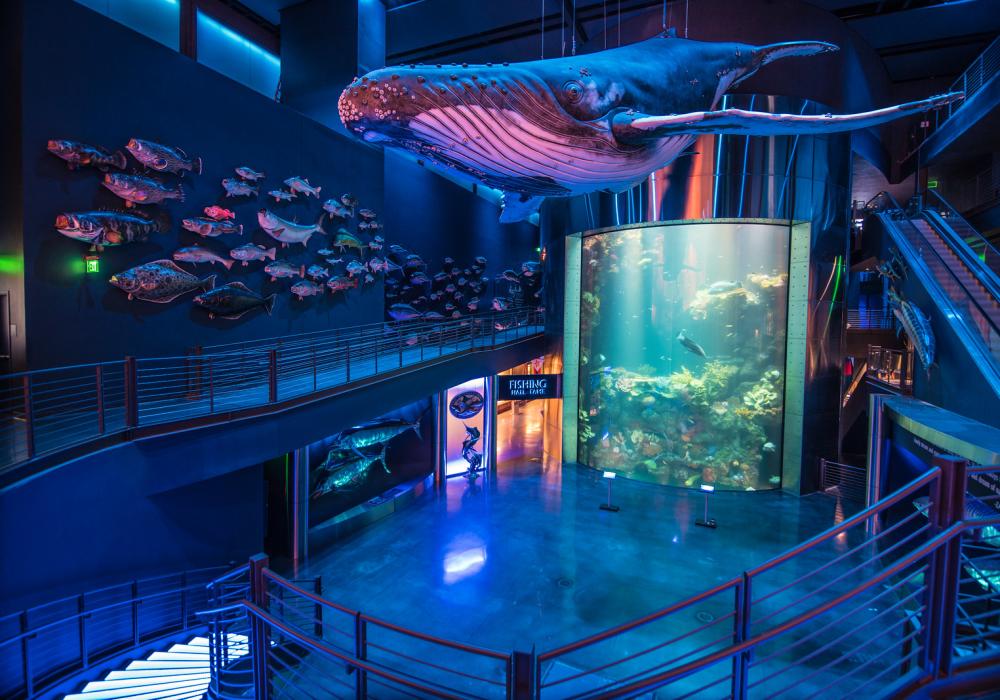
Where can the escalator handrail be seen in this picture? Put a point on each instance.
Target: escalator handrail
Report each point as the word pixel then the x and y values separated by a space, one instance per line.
pixel 983 356
pixel 980 269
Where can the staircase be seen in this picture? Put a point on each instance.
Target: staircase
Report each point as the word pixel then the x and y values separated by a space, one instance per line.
pixel 183 671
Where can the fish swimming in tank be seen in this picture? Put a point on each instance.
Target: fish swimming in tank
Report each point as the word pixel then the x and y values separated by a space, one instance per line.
pixel 723 286
pixel 78 154
pixel 306 288
pixel 247 173
pixel 164 159
pixel 287 232
pixel 160 282
pixel 249 251
pixel 282 195
pixel 341 284
pixel 231 301
pixel 300 184
pixel 348 473
pixel 239 188
pixel 218 213
pixel 197 254
pixel 280 269
pixel 107 228
pixel 136 189
pixel 211 228
pixel 690 345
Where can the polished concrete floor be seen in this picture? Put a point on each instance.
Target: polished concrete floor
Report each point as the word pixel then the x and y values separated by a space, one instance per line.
pixel 527 559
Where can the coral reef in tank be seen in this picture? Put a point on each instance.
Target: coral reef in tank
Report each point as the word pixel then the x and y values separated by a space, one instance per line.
pixel 670 410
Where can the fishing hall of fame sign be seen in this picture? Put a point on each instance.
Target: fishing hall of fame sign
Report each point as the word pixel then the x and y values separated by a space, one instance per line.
pixel 524 387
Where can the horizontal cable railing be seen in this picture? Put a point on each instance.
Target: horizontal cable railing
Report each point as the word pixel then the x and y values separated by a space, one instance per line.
pixel 46 411
pixel 870 319
pixel 891 366
pixel 850 481
pixel 48 643
pixel 973 79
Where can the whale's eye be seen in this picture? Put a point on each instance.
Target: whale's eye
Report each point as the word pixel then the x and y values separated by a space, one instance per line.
pixel 573 91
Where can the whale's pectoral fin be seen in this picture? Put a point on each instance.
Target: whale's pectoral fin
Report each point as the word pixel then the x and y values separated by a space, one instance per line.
pixel 518 207
pixel 640 128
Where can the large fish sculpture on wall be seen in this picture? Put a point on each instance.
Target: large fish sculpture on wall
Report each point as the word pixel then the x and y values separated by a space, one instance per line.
pixel 562 127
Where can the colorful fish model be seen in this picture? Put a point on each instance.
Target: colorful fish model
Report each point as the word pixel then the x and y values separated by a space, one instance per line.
pixel 106 228
pixel 366 214
pixel 249 174
pixel 210 228
pixel 238 188
pixel 403 312
pixel 501 304
pixel 218 213
pixel 376 432
pixel 349 200
pixel 247 252
pixel 341 284
pixel 369 226
pixel 78 154
pixel 197 254
pixel 160 281
pixel 335 209
pixel 300 184
pixel 285 231
pixel 317 272
pixel 354 268
pixel 348 472
pixel 282 195
pixel 280 269
pixel 232 300
pixel 164 159
pixel 345 239
pixel 306 288
pixel 376 243
pixel 135 189
pixel 917 326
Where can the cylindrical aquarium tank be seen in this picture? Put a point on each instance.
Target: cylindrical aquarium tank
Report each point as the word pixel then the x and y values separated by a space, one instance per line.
pixel 682 352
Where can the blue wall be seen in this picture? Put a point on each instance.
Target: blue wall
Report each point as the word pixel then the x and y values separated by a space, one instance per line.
pixel 91 79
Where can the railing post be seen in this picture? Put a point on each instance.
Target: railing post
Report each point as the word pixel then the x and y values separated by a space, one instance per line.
pixel 131 393
pixel 99 388
pixel 26 671
pixel 81 606
pixel 135 613
pixel 361 653
pixel 945 564
pixel 741 632
pixel 318 630
pixel 211 387
pixel 259 644
pixel 347 361
pixel 523 675
pixel 272 375
pixel 184 608
pixel 312 347
pixel 29 423
pixel 376 355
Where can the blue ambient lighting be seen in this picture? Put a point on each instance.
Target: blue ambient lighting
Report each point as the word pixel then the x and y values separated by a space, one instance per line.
pixel 232 54
pixel 239 39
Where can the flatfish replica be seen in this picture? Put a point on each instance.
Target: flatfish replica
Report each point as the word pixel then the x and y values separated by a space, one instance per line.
pixel 160 281
pixel 567 126
pixel 232 300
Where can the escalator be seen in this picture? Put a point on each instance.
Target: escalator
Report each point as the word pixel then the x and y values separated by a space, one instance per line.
pixel 950 279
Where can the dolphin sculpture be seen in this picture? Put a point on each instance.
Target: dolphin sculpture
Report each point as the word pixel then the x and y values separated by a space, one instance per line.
pixel 561 127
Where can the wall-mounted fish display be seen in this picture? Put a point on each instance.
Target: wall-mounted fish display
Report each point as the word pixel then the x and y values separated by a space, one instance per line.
pixel 78 154
pixel 250 174
pixel 349 200
pixel 210 228
pixel 917 326
pixel 317 272
pixel 197 254
pixel 376 243
pixel 232 300
pixel 369 226
pixel 336 209
pixel 341 284
pixel 164 159
pixel 281 269
pixel 160 281
pixel 347 470
pixel 249 251
pixel 300 184
pixel 218 213
pixel 367 214
pixel 345 239
pixel 501 303
pixel 136 189
pixel 106 228
pixel 306 288
pixel 239 188
pixel 287 231
pixel 376 432
pixel 355 268
pixel 281 195
pixel 382 265
pixel 403 312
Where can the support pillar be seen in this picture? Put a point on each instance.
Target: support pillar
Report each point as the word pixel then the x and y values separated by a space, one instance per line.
pixel 440 407
pixel 490 425
pixel 300 507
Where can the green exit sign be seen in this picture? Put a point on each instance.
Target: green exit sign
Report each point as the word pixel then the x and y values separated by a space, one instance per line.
pixel 93 265
pixel 932 184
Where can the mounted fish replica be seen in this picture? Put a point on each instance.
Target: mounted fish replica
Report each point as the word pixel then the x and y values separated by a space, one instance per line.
pixel 78 154
pixel 288 232
pixel 163 159
pixel 160 282
pixel 136 189
pixel 917 326
pixel 567 126
pixel 232 300
pixel 107 228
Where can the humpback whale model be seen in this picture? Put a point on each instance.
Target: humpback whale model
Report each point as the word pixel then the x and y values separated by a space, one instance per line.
pixel 567 126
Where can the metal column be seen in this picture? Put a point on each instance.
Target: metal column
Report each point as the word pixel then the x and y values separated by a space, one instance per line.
pixel 490 425
pixel 439 403
pixel 300 507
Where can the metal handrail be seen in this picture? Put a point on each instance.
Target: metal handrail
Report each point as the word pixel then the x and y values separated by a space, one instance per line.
pixel 45 411
pixel 982 69
pixel 977 252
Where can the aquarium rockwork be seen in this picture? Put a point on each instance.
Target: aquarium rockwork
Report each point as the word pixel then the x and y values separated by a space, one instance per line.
pixel 682 352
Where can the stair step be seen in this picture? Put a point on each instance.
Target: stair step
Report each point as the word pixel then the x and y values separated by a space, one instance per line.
pixel 153 663
pixel 146 682
pixel 177 673
pixel 152 691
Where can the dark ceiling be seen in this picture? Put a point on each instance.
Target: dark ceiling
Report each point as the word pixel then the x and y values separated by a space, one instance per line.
pixel 916 39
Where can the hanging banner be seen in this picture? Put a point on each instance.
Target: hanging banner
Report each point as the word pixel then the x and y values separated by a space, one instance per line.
pixel 524 387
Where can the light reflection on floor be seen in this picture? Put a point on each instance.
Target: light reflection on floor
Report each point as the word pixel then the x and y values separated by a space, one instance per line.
pixel 528 558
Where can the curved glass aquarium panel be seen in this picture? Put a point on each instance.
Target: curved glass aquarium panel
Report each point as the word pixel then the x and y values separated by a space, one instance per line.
pixel 682 352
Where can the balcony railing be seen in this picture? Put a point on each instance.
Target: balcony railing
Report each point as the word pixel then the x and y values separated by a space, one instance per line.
pixel 891 366
pixel 973 79
pixel 45 411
